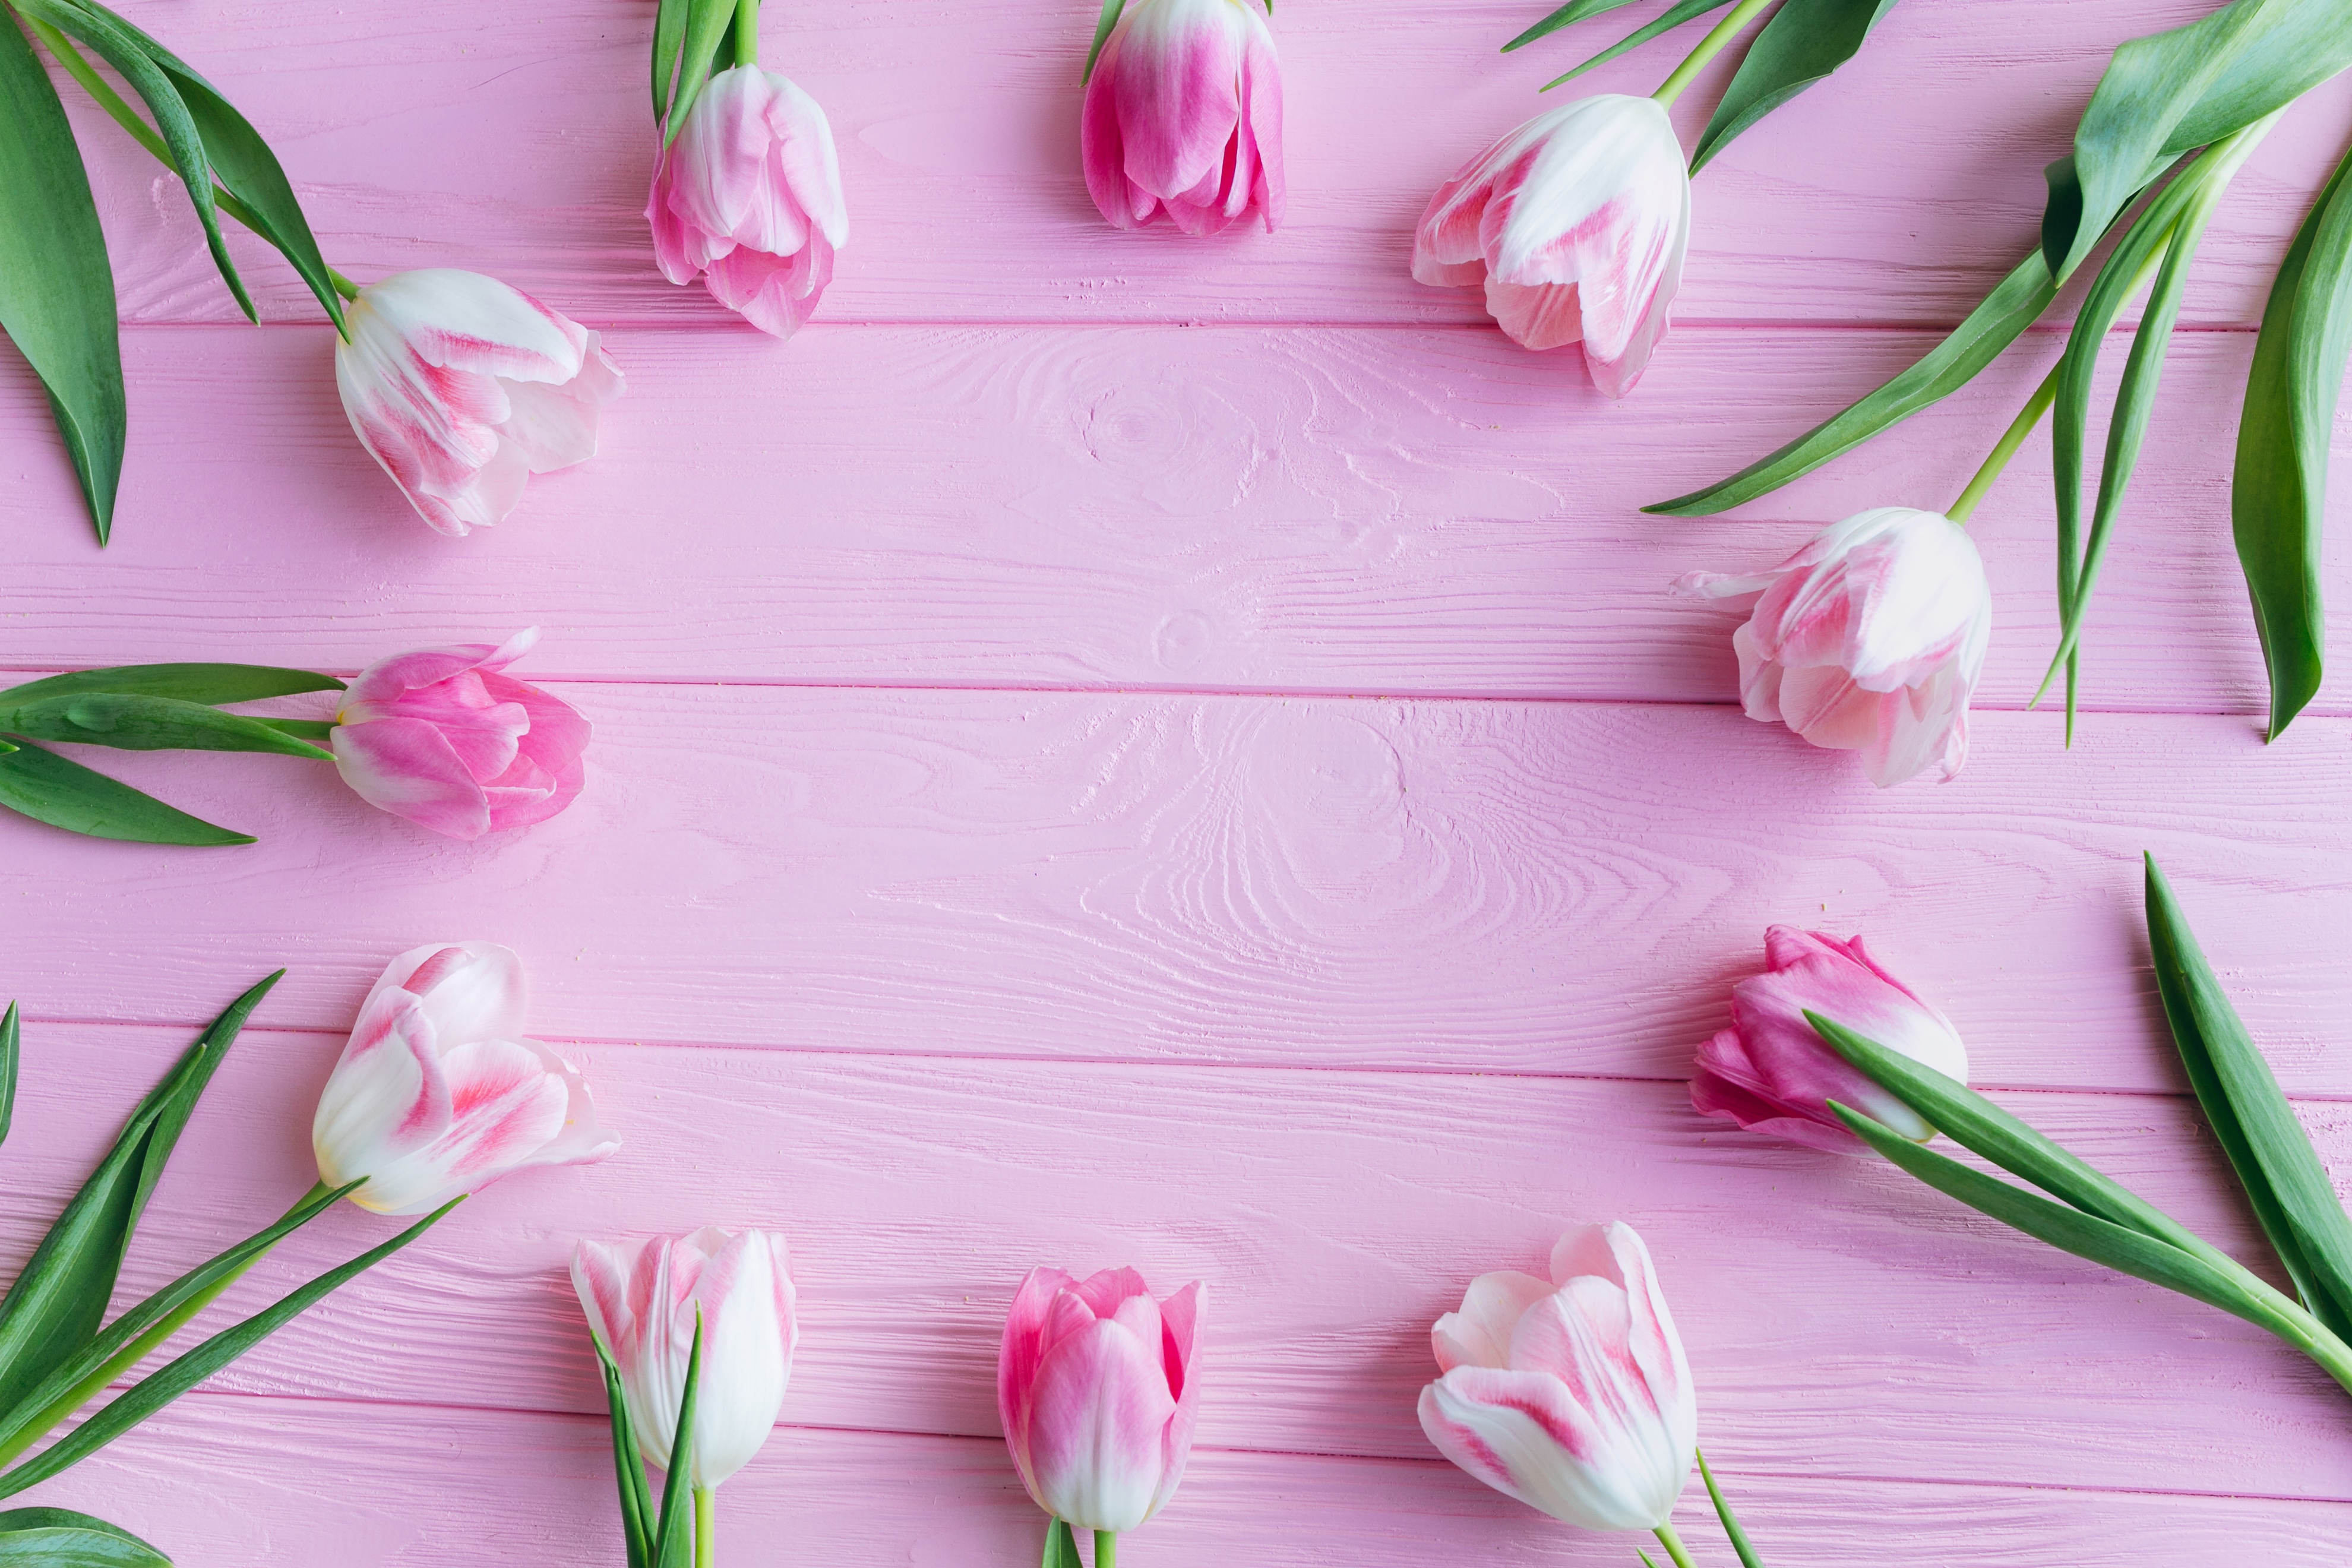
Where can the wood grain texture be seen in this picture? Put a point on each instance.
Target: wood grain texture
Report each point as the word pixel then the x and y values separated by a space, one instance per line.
pixel 1891 1334
pixel 325 1483
pixel 519 142
pixel 1262 510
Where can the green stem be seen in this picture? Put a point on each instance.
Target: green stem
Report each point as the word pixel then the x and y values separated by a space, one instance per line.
pixel 706 1526
pixel 1106 1549
pixel 2006 447
pixel 747 32
pixel 1673 1545
pixel 1708 47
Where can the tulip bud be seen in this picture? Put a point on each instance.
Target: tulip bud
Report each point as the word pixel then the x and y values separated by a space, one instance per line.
pixel 749 195
pixel 444 737
pixel 462 388
pixel 1096 1390
pixel 1570 1394
pixel 1770 1072
pixel 1576 224
pixel 437 1093
pixel 1183 114
pixel 642 1298
pixel 1870 638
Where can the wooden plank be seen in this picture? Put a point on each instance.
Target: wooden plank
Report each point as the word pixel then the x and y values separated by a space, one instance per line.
pixel 1486 887
pixel 263 1482
pixel 1256 509
pixel 517 143
pixel 1841 1320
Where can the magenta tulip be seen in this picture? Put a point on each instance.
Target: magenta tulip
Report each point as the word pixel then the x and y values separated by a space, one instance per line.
pixel 443 737
pixel 749 195
pixel 1096 1392
pixel 462 388
pixel 437 1093
pixel 1183 115
pixel 1770 1072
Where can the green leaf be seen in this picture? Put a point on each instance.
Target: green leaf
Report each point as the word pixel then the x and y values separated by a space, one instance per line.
pixel 1737 1537
pixel 707 22
pixel 2278 495
pixel 1061 1546
pixel 59 1538
pixel 8 1032
pixel 1568 16
pixel 628 1468
pixel 59 1299
pixel 122 50
pixel 2170 92
pixel 673 1536
pixel 133 724
pixel 2285 1181
pixel 207 683
pixel 56 288
pixel 1681 12
pixel 670 37
pixel 1803 43
pixel 2008 311
pixel 145 1398
pixel 1103 25
pixel 48 788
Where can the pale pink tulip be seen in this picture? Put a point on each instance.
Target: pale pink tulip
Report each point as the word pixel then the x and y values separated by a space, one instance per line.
pixel 1096 1392
pixel 641 1299
pixel 1183 114
pixel 1770 1072
pixel 462 388
pixel 1576 224
pixel 1570 1394
pixel 437 1093
pixel 1868 639
pixel 443 737
pixel 749 195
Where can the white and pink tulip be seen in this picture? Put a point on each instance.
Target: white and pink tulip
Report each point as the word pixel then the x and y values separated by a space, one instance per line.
pixel 437 1093
pixel 1184 116
pixel 462 388
pixel 1575 225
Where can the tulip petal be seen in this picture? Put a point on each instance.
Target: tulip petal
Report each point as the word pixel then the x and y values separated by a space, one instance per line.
pixel 405 766
pixel 469 990
pixel 1178 82
pixel 1096 1428
pixel 1478 1333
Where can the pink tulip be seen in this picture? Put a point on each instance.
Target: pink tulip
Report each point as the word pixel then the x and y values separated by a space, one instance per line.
pixel 1771 1073
pixel 1869 639
pixel 1570 1394
pixel 641 1299
pixel 1575 223
pixel 749 195
pixel 1096 1390
pixel 1183 114
pixel 462 388
pixel 437 1093
pixel 444 738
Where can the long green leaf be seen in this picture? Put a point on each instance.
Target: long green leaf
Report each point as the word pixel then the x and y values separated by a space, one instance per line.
pixel 49 788
pixel 2278 494
pixel 1061 1546
pixel 1109 19
pixel 56 288
pixel 1802 44
pixel 1992 327
pixel 132 723
pixel 2170 92
pixel 628 1468
pixel 2069 1229
pixel 707 21
pixel 674 1535
pixel 669 36
pixel 59 1538
pixel 1675 15
pixel 2250 1118
pixel 207 683
pixel 1568 16
pixel 9 1027
pixel 1731 1530
pixel 121 49
pixel 147 1396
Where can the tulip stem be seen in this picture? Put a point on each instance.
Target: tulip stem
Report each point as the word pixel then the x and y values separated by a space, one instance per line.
pixel 1106 1549
pixel 747 32
pixel 1673 1545
pixel 706 1526
pixel 2006 447
pixel 1708 47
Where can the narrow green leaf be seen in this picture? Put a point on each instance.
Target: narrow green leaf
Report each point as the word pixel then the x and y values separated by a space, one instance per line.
pixel 1568 16
pixel 628 1468
pixel 132 723
pixel 59 1538
pixel 48 788
pixel 1737 1536
pixel 1675 15
pixel 669 38
pixel 1103 25
pixel 2167 93
pixel 1061 1546
pixel 56 288
pixel 673 1536
pixel 707 22
pixel 8 1031
pixel 212 684
pixel 2278 494
pixel 1802 44
pixel 119 48
pixel 147 1396
pixel 2250 1118
pixel 303 729
pixel 2008 311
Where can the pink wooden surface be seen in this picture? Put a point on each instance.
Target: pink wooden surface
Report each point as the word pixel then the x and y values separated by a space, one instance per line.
pixel 1113 750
